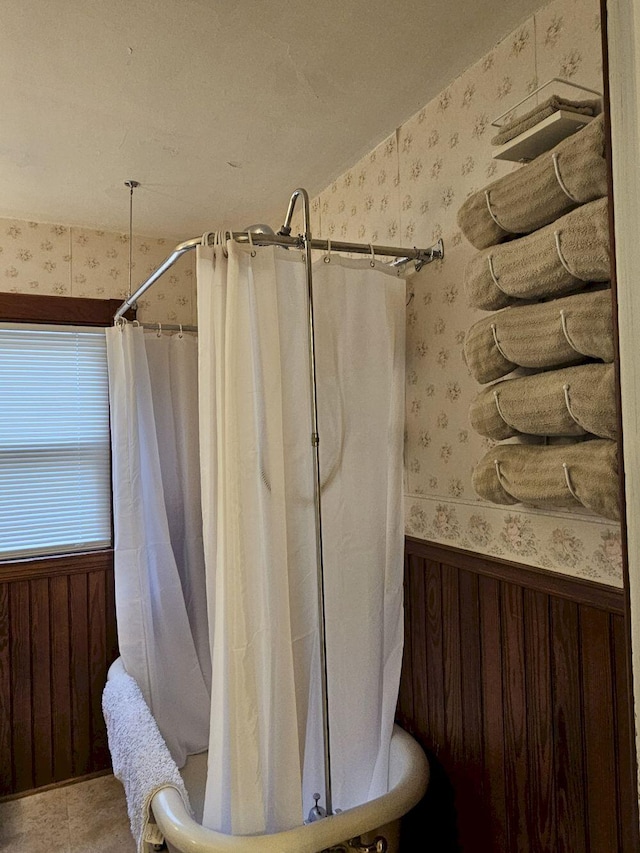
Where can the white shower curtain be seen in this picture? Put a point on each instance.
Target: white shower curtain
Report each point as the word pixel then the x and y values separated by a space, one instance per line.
pixel 360 352
pixel 257 491
pixel 159 560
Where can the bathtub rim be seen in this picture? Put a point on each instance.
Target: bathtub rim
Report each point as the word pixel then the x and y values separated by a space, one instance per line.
pixel 182 831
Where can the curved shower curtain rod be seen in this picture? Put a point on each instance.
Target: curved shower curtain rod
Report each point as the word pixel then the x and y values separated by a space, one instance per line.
pixel 284 238
pixel 306 243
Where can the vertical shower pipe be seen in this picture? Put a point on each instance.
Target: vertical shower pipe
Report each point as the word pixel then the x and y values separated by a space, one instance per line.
pixel 315 442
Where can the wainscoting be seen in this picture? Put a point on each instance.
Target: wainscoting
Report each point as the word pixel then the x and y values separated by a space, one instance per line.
pixel 57 639
pixel 515 680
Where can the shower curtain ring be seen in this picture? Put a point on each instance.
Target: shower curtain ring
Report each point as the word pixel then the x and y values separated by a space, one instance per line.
pixel 205 237
pixel 253 251
pixel 372 262
pixel 221 241
pixel 327 257
pixel 180 335
pixel 159 332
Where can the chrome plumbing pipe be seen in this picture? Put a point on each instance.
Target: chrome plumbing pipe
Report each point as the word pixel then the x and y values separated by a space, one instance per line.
pixel 317 490
pixel 402 256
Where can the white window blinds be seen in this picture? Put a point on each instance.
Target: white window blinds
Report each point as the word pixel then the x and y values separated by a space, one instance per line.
pixel 55 492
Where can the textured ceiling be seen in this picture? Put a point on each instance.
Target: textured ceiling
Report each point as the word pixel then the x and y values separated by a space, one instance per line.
pixel 219 109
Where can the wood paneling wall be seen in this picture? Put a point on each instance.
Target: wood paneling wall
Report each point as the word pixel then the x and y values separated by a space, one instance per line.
pixel 516 683
pixel 57 639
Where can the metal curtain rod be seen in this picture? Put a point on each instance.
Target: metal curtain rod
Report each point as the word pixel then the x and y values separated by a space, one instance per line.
pixel 420 256
pixel 166 327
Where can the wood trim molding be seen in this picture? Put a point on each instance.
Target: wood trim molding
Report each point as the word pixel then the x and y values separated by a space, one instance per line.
pixel 578 590
pixel 621 25
pixel 623 439
pixel 7 798
pixel 54 566
pixel 79 311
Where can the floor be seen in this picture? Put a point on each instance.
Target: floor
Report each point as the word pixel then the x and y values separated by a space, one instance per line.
pixel 88 817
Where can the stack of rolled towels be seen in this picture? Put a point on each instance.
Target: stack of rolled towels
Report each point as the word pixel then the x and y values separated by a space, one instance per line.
pixel 543 269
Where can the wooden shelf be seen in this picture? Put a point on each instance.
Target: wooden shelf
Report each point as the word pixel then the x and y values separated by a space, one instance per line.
pixel 551 130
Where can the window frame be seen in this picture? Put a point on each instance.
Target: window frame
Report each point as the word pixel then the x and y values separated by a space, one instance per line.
pixel 72 311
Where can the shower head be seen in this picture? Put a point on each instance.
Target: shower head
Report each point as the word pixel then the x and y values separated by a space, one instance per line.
pixel 260 228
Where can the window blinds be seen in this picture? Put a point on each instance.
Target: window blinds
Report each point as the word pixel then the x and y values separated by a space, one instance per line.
pixel 55 475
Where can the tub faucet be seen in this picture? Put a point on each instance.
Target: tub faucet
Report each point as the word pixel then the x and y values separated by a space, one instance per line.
pixel 378 845
pixel 317 812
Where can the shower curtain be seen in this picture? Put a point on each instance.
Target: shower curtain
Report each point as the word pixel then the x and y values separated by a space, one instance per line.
pixel 265 750
pixel 159 560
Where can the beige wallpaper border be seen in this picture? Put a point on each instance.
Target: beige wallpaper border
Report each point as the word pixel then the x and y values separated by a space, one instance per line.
pixel 566 543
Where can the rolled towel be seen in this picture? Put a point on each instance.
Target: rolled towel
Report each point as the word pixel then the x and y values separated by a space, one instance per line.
pixel 557 333
pixel 140 757
pixel 566 475
pixel 547 108
pixel 574 172
pixel 569 402
pixel 550 262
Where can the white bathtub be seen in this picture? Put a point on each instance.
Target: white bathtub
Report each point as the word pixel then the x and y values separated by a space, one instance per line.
pixel 408 775
pixel 408 781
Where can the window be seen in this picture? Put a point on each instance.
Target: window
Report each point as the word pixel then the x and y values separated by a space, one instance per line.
pixel 55 491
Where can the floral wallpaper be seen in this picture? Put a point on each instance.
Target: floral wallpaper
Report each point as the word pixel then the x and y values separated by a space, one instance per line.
pixel 57 260
pixel 407 192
